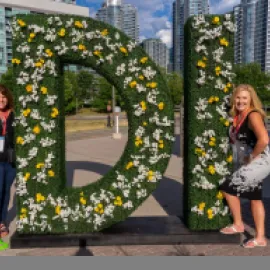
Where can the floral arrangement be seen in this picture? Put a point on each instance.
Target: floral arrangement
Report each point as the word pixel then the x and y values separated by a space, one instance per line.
pixel 41 45
pixel 208 86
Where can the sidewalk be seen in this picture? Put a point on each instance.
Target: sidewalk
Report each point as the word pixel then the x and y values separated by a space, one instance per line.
pixel 91 155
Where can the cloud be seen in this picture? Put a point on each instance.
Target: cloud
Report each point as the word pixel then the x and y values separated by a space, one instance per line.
pixel 166 36
pixel 222 6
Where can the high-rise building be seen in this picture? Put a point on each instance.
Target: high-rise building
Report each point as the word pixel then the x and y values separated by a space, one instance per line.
pixel 8 8
pixel 182 10
pixel 157 50
pixel 261 38
pixel 120 15
pixel 238 35
pixel 194 7
pixel 178 35
pixel 249 22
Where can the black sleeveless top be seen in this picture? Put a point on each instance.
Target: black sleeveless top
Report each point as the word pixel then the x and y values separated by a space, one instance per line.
pixel 9 137
pixel 245 134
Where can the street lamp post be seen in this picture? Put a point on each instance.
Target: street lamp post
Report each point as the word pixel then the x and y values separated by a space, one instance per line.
pixel 109 108
pixel 117 134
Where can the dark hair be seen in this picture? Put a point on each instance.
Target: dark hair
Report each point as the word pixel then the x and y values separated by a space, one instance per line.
pixel 7 93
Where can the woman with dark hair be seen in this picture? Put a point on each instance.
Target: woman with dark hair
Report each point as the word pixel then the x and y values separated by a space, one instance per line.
pixel 7 157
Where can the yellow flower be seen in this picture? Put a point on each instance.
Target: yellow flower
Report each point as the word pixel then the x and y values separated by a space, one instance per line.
pixel 205 58
pixel 44 90
pixel 51 173
pixel 21 23
pixel 123 50
pixel 36 129
pixel 216 99
pixel 57 210
pixel 215 20
pixel 161 106
pixel 99 209
pixel 129 165
pixel 23 210
pixel 118 201
pixel 49 52
pixel 40 165
pixel 144 124
pixel 105 32
pixel 144 60
pixel 210 213
pixel 20 140
pixel 29 88
pixel 54 113
pixel 219 195
pixel 211 100
pixel 226 123
pixel 32 35
pixel 224 42
pixel 62 32
pixel 213 139
pixel 152 85
pixel 82 47
pixel 150 175
pixel 229 85
pixel 29 40
pixel 226 89
pixel 201 64
pixel 202 206
pixel 138 141
pixel 161 144
pixel 40 197
pixel 211 169
pixel 203 153
pixel 26 112
pixel 16 61
pixel 26 176
pixel 83 201
pixel 97 53
pixel 218 70
pixel 39 64
pixel 133 84
pixel 143 105
pixel 211 143
pixel 229 159
pixel 141 77
pixel 78 24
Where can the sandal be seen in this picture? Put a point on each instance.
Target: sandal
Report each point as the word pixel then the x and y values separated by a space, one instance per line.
pixel 254 243
pixel 3 230
pixel 3 245
pixel 231 229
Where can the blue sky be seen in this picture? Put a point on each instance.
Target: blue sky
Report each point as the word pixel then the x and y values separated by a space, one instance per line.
pixel 155 16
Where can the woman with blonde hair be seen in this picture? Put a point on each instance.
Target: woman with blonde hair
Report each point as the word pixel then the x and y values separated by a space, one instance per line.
pixel 251 160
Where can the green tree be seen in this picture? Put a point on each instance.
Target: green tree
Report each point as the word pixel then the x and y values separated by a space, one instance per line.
pixel 7 79
pixel 70 87
pixel 252 74
pixel 103 96
pixel 175 84
pixel 85 86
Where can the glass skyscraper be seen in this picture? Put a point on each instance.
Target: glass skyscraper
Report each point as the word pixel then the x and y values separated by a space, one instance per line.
pixel 158 51
pixel 182 10
pixel 122 16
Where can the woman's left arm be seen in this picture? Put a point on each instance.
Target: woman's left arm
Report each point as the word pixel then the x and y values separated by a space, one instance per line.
pixel 256 124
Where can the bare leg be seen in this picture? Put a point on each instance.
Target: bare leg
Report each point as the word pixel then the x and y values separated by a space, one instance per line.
pixel 235 207
pixel 258 212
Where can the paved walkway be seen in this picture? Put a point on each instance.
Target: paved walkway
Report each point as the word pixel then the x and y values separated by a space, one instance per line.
pixel 91 155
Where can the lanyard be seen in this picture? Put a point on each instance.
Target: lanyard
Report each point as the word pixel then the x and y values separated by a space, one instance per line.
pixel 236 127
pixel 3 119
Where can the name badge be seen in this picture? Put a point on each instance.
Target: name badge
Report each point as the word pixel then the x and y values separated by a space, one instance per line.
pixel 2 144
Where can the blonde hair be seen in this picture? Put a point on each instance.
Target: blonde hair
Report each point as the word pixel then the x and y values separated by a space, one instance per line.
pixel 255 103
